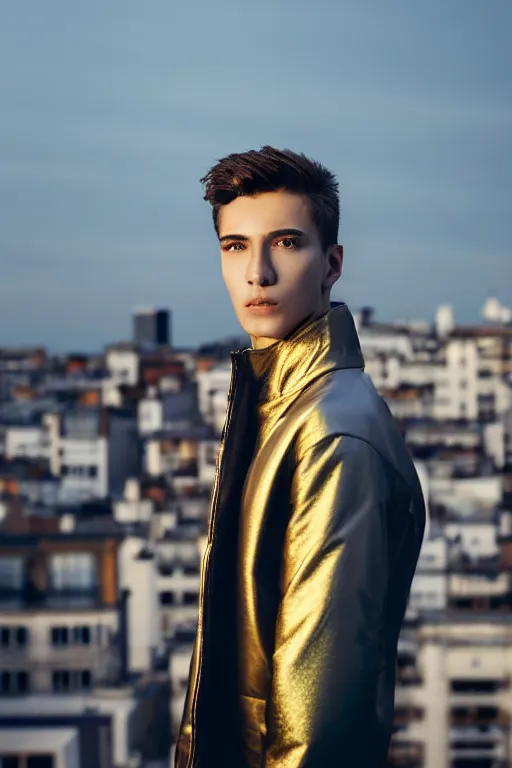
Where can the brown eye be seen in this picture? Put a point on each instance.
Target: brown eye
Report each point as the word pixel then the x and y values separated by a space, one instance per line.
pixel 288 242
pixel 232 247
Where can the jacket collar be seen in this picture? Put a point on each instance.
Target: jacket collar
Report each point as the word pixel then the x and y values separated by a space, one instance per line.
pixel 319 347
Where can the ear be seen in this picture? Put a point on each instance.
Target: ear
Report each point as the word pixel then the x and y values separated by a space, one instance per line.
pixel 334 265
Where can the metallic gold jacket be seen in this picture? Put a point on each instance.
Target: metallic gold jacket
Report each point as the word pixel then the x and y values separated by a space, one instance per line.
pixel 315 527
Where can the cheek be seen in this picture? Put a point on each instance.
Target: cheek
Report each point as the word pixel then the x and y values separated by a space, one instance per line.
pixel 233 276
pixel 303 273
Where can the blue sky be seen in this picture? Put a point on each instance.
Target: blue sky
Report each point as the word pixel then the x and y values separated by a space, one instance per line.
pixel 111 112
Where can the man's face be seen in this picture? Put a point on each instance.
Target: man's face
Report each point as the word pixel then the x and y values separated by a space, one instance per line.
pixel 273 264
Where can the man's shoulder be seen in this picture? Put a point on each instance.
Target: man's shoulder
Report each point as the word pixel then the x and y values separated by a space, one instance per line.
pixel 345 403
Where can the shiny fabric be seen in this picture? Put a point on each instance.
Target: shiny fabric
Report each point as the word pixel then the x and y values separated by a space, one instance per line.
pixel 316 523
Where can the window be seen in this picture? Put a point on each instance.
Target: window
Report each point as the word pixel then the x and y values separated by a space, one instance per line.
pixel 13 683
pixel 61 680
pixel 39 761
pixel 167 598
pixel 211 454
pixel 190 598
pixel 476 686
pixel 11 574
pixel 22 682
pixel 13 637
pixel 74 571
pixel 66 681
pixel 76 470
pixel 9 761
pixel 82 635
pixel 61 636
pixel 85 679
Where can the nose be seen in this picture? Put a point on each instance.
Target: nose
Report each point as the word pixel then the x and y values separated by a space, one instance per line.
pixel 260 271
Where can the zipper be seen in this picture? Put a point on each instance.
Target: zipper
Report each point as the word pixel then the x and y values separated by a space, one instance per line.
pixel 211 523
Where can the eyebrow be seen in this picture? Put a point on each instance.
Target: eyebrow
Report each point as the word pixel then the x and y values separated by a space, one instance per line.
pixel 275 233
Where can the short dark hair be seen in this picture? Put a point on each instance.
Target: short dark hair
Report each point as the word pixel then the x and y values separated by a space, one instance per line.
pixel 269 170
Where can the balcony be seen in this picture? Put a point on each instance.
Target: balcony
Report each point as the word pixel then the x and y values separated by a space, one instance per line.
pixel 404 716
pixel 484 687
pixel 481 717
pixel 407 754
pixel 51 678
pixel 497 604
pixel 31 599
pixel 39 665
pixel 408 677
pixel 478 762
pixel 407 673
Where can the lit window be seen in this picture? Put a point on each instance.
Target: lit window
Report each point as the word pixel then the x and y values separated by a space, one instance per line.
pixel 73 571
pixel 11 573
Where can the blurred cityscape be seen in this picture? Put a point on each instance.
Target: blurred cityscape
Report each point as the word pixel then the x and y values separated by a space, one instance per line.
pixel 106 467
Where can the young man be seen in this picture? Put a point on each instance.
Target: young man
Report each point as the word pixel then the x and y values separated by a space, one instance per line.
pixel 317 515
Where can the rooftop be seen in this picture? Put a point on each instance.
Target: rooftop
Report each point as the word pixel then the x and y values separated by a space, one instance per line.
pixel 24 540
pixel 110 701
pixel 468 617
pixel 35 740
pixel 481 331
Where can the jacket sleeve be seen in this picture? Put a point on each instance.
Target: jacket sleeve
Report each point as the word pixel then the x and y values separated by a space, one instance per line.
pixel 327 661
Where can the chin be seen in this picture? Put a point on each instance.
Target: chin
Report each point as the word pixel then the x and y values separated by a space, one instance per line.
pixel 267 328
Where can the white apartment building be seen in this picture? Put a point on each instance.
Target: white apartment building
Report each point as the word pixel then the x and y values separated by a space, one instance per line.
pixel 178 580
pixel 170 410
pixel 46 748
pixel 179 666
pixel 430 583
pixel 213 388
pixel 138 576
pixel 59 614
pixel 26 442
pixel 123 364
pixel 456 381
pixel 98 449
pixel 453 702
pixel 132 508
pixel 95 730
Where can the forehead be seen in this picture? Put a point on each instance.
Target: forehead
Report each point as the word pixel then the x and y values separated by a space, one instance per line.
pixel 266 212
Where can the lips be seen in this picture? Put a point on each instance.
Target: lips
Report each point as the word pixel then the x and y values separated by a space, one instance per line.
pixel 261 303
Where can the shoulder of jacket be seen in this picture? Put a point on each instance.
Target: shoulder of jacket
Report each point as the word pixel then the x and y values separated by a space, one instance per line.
pixel 346 404
pixel 341 403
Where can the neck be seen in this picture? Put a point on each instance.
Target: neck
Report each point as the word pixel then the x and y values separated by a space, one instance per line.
pixel 317 347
